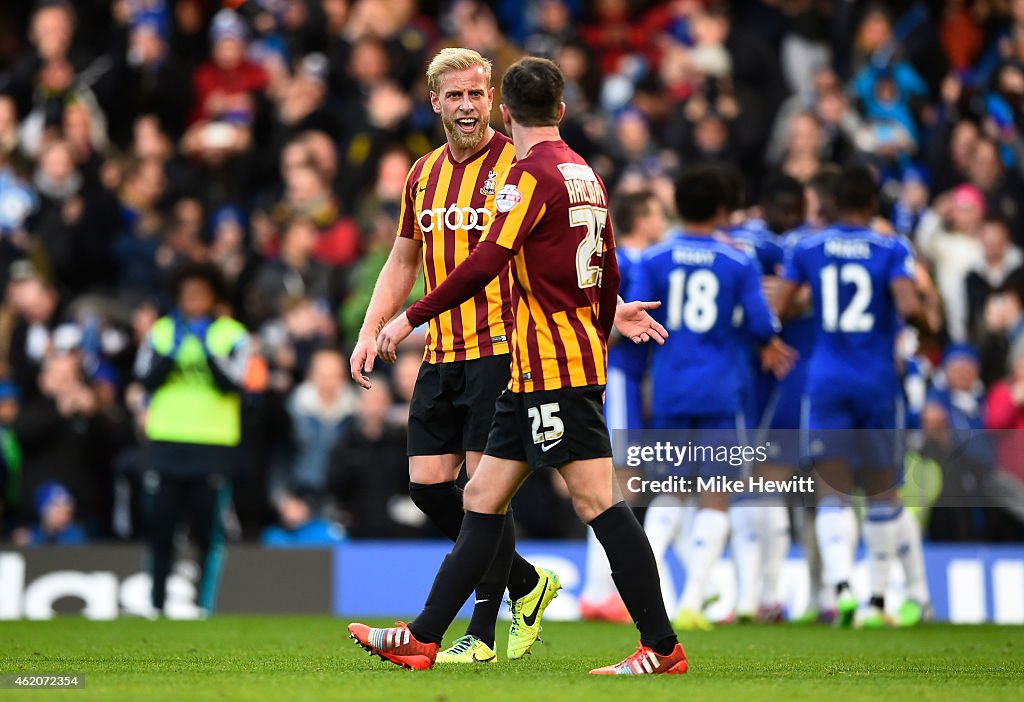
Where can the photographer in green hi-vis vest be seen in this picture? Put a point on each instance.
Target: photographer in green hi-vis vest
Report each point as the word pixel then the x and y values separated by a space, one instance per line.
pixel 192 363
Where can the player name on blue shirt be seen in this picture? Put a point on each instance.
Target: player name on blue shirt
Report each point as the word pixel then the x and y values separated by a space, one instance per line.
pixel 701 282
pixel 850 270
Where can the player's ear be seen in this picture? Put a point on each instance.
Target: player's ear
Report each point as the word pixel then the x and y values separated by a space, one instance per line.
pixel 561 111
pixel 506 116
pixel 490 94
pixel 435 102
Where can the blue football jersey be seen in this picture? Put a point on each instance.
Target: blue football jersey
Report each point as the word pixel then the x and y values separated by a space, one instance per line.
pixel 624 355
pixel 784 406
pixel 850 270
pixel 701 282
pixel 755 238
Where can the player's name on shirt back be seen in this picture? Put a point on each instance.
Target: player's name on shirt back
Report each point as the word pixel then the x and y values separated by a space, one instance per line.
pixel 848 248
pixel 582 184
pixel 685 255
pixel 552 211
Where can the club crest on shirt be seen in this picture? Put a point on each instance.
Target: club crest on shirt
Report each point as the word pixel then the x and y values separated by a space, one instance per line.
pixel 507 198
pixel 490 184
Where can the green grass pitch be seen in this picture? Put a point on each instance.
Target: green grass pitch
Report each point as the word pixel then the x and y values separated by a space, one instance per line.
pixel 289 659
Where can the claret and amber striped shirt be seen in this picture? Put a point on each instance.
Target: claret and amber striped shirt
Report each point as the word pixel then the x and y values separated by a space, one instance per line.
pixel 551 222
pixel 552 210
pixel 447 206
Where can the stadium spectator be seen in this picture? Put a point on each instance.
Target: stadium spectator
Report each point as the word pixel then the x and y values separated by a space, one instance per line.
pixel 75 223
pixel 554 29
pixel 611 35
pixel 289 340
pixel 952 147
pixel 151 80
pixel 369 474
pixel 307 195
pixel 364 276
pixel 1003 189
pixel 803 153
pixel 230 252
pixel 911 202
pixel 33 313
pixel 320 409
pixel 55 525
pixel 948 235
pixel 227 102
pixel 1002 258
pixel 403 381
pixel 953 414
pixel 295 273
pixel 140 246
pixel 1004 413
pixel 299 524
pixel 225 89
pixel 59 431
pixel 8 126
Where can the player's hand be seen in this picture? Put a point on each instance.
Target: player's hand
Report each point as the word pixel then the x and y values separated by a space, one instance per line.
pixel 633 322
pixel 391 336
pixel 361 362
pixel 778 357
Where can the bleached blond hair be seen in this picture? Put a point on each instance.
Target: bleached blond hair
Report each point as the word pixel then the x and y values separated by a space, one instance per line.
pixel 455 59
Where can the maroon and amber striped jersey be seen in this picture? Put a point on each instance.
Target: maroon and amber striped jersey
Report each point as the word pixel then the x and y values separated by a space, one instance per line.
pixel 447 206
pixel 552 210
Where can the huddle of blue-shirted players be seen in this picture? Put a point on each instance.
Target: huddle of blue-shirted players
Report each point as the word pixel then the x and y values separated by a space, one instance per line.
pixel 782 333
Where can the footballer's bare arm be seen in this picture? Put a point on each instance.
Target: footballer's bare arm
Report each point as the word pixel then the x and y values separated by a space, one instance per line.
pixel 910 306
pixel 389 294
pixel 469 277
pixel 786 303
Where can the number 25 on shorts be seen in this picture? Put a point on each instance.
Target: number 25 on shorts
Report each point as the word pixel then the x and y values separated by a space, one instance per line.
pixel 546 425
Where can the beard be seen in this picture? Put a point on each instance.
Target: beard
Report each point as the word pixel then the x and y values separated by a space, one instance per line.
pixel 463 140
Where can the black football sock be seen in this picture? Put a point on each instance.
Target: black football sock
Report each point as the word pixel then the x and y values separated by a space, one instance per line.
pixel 442 503
pixel 635 573
pixel 522 576
pixel 491 588
pixel 460 572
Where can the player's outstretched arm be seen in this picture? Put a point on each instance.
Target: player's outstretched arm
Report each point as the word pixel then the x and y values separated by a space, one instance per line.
pixel 929 295
pixel 910 307
pixel 392 289
pixel 469 277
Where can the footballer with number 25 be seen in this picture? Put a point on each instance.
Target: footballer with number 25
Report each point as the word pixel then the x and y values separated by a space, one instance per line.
pixel 551 223
pixel 448 201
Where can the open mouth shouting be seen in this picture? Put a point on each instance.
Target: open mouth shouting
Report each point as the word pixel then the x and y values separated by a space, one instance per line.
pixel 467 125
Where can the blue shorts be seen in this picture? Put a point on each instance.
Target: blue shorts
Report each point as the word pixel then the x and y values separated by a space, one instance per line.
pixel 781 424
pixel 711 441
pixel 623 401
pixel 866 429
pixel 623 411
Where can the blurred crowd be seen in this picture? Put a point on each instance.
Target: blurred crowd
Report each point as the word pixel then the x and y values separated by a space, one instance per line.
pixel 272 139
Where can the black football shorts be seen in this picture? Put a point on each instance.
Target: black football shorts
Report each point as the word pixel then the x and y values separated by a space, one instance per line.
pixel 453 405
pixel 549 428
